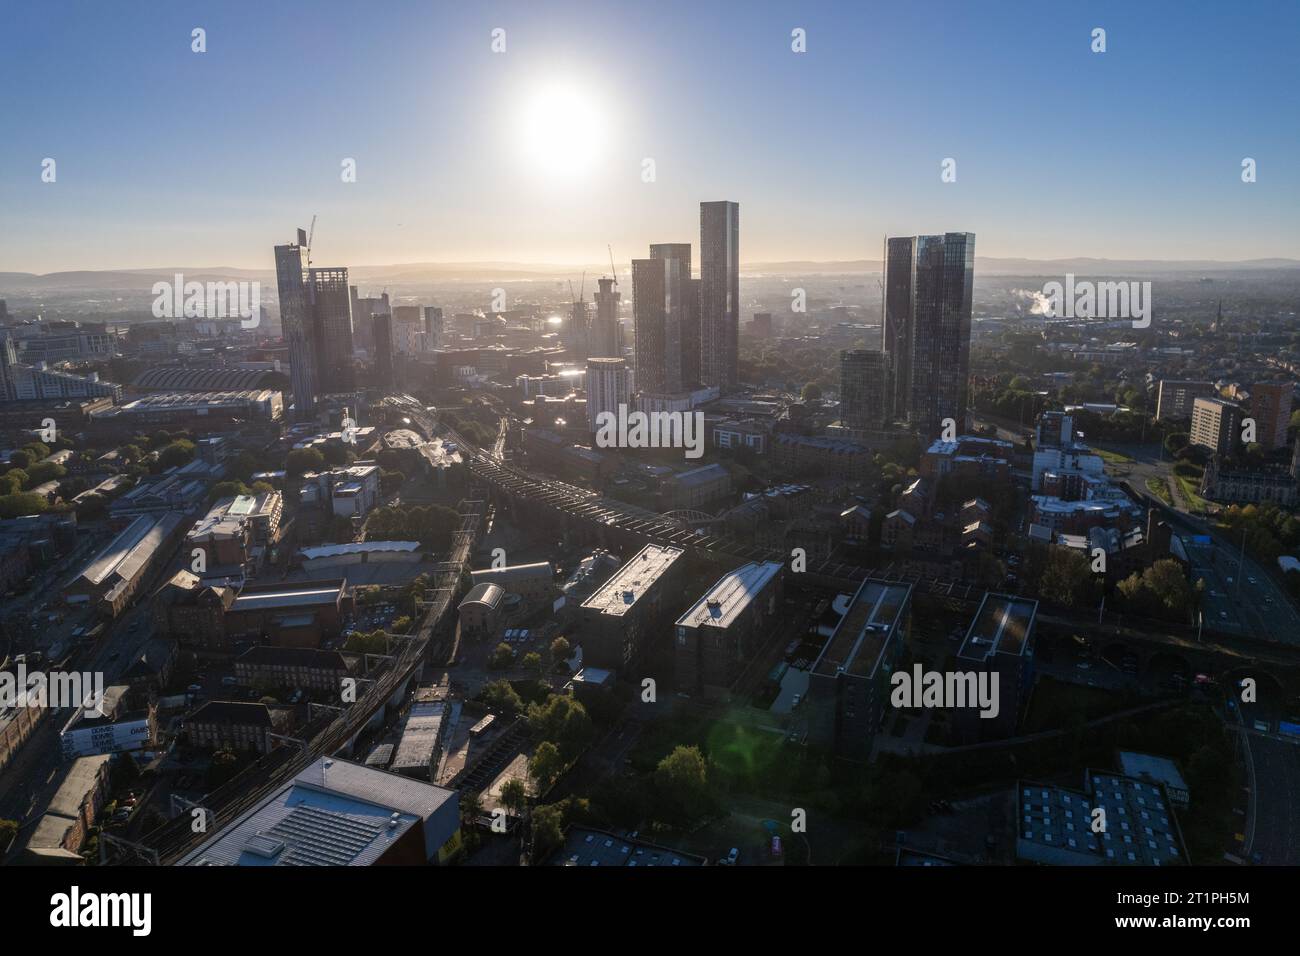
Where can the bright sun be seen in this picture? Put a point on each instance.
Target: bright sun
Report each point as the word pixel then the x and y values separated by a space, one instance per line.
pixel 562 129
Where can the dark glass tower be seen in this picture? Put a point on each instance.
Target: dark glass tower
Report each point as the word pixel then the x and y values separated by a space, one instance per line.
pixel 656 314
pixel 719 293
pixel 332 311
pixel 900 278
pixel 689 301
pixel 864 388
pixel 928 285
pixel 296 323
pixel 603 341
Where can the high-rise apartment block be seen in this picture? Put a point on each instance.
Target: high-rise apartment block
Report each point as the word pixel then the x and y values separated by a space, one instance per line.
pixel 929 282
pixel 1270 406
pixel 719 295
pixel 316 319
pixel 1216 425
pixel 609 385
pixel 603 334
pixel 657 308
pixel 864 388
pixel 1174 400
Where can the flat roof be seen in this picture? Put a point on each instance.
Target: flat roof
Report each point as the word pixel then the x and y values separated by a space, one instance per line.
pixel 860 637
pixel 1148 766
pixel 733 592
pixel 288 598
pixel 633 579
pixel 420 735
pixel 1001 626
pixel 358 547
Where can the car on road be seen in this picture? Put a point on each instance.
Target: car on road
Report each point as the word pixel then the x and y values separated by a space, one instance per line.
pixel 731 858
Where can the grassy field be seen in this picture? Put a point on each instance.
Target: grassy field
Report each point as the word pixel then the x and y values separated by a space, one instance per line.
pixel 1056 703
pixel 1160 488
pixel 1189 488
pixel 1112 457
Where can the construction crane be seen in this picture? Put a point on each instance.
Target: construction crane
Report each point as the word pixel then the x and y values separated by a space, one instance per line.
pixel 581 289
pixel 613 271
pixel 311 232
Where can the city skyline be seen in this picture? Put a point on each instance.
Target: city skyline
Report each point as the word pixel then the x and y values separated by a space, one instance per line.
pixel 537 153
pixel 503 499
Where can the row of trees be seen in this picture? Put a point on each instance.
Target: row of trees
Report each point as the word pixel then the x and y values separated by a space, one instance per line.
pixel 431 525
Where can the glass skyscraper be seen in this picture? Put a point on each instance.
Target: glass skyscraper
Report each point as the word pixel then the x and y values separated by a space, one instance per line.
pixel 719 294
pixel 295 323
pixel 928 287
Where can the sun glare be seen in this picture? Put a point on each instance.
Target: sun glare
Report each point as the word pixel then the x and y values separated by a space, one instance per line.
pixel 562 129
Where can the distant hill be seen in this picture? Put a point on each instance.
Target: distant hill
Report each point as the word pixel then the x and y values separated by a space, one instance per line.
pixel 135 280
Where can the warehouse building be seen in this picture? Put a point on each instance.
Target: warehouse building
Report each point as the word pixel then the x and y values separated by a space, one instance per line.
pixel 61 832
pixel 305 668
pixel 298 615
pixel 623 617
pixel 337 813
pixel 530 581
pixel 723 630
pixel 113 576
pixel 1138 828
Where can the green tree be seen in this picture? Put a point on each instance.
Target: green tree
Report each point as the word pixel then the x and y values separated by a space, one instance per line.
pixel 1067 577
pixel 514 797
pixel 336 454
pixel 302 460
pixel 682 782
pixel 548 829
pixel 43 471
pixel 176 454
pixel 227 489
pixel 502 656
pixel 545 765
pixel 15 506
pixel 562 720
pixel 501 698
pixel 560 649
pixel 376 642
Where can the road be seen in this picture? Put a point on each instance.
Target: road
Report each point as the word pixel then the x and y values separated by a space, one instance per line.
pixel 1277 798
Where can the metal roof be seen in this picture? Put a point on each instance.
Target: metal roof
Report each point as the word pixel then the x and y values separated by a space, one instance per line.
pixel 334 813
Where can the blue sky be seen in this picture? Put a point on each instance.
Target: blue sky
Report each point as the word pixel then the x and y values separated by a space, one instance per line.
pixel 167 157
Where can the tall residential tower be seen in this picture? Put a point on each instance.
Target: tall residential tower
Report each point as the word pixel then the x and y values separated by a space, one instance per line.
pixel 928 287
pixel 719 295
